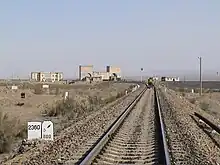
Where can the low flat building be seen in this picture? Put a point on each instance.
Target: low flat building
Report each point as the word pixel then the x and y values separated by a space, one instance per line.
pixel 47 76
pixel 170 79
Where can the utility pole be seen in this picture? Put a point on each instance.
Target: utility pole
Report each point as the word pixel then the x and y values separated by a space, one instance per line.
pixel 200 74
pixel 141 74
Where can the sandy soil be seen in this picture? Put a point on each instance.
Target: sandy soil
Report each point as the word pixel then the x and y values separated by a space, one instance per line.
pixel 193 84
pixel 209 102
pixel 34 104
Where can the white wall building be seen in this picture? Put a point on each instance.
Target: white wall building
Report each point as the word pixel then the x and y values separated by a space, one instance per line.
pixel 47 76
pixel 170 79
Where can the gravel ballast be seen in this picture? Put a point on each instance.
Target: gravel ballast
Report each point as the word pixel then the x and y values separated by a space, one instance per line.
pixel 188 143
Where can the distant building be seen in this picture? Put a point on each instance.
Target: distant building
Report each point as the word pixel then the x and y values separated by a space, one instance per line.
pixel 86 73
pixel 115 72
pixel 170 79
pixel 155 78
pixel 46 76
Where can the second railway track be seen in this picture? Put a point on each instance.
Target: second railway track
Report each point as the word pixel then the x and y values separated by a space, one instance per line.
pixel 136 137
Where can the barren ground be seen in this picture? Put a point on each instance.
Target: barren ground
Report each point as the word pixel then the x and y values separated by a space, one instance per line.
pixel 194 84
pixel 208 102
pixel 34 104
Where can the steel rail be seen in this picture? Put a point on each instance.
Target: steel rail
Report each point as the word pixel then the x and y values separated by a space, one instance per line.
pixel 97 147
pixel 162 130
pixel 213 126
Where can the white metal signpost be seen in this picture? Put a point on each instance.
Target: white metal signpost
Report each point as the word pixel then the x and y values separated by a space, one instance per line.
pixel 47 130
pixel 34 130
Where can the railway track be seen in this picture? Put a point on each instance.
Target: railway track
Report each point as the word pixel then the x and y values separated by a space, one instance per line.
pixel 136 137
pixel 211 129
pixel 208 122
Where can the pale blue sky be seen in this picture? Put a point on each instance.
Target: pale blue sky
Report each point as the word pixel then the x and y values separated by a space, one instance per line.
pixel 61 34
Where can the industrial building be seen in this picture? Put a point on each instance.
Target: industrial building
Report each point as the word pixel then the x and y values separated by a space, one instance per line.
pixel 87 73
pixel 46 76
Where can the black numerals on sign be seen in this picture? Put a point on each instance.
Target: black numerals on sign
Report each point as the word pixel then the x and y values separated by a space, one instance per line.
pixel 46 136
pixel 33 127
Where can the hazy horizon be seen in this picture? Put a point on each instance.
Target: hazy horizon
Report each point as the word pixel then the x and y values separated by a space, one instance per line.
pixel 208 75
pixel 163 37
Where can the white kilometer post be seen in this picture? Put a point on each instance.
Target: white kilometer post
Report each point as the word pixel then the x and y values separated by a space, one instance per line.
pixel 66 95
pixel 47 130
pixel 34 130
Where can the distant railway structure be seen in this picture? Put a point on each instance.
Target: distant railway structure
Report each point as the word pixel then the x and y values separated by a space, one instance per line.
pixel 47 76
pixel 170 79
pixel 87 73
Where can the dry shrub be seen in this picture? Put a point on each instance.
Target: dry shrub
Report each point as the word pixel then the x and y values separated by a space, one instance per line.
pixel 112 98
pixel 9 131
pixel 52 91
pixel 6 133
pixel 109 99
pixel 197 90
pixel 192 100
pixel 60 108
pixel 57 92
pixel 120 94
pixel 204 106
pixel 38 89
pixel 26 85
pixel 182 90
pixel 69 108
pixel 73 108
pixel 95 100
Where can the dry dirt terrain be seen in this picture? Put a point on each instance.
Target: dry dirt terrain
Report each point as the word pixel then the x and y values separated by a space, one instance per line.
pixel 209 101
pixel 41 104
pixel 194 84
pixel 33 103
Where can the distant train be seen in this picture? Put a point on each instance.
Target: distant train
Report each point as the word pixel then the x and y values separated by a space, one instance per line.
pixel 150 82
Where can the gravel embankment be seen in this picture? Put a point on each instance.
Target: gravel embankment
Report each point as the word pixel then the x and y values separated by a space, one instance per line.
pixel 71 139
pixel 188 143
